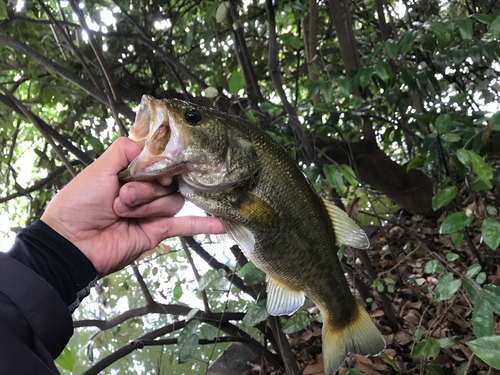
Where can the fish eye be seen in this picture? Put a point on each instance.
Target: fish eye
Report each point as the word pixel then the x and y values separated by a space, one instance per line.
pixel 192 116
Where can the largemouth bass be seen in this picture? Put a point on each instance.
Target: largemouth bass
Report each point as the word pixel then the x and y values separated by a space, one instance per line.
pixel 236 172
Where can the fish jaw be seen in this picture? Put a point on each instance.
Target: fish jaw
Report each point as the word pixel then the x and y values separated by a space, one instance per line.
pixel 156 131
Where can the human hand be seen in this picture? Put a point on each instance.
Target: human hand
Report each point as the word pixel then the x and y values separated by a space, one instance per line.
pixel 112 224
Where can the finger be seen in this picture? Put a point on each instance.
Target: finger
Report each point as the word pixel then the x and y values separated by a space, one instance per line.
pixel 138 193
pixel 163 228
pixel 164 180
pixel 164 206
pixel 119 154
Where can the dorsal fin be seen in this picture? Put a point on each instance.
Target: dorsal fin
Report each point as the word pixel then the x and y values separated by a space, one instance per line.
pixel 347 232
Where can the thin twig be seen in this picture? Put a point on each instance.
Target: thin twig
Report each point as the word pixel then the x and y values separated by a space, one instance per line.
pixel 47 137
pixel 195 271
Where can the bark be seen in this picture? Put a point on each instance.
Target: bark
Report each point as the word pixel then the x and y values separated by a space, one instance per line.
pixel 274 72
pixel 245 63
pixel 384 29
pixel 411 190
pixel 342 21
pixel 311 43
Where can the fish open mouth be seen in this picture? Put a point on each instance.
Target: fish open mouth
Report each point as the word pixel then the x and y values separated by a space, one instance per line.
pixel 152 131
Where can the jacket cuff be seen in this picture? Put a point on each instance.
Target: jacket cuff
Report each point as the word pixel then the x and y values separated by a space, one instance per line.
pixel 56 260
pixel 37 300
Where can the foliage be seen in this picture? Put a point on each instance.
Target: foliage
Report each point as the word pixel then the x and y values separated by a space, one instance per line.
pixel 423 89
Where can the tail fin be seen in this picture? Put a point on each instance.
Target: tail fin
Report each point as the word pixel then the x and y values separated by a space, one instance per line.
pixel 361 336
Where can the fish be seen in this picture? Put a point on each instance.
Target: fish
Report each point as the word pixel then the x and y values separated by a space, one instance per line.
pixel 235 171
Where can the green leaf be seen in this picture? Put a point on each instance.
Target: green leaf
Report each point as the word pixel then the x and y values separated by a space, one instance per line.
pixel 207 279
pixel 297 321
pixel 66 359
pixel 190 329
pixel 428 348
pixel 465 27
pixel 444 197
pixel 492 294
pixel 450 137
pixel 256 314
pixel 211 10
pixel 415 162
pixel 447 342
pixel 392 49
pixel 355 371
pixel 455 222
pixel 254 276
pixel 451 257
pixel 188 348
pixel 364 75
pixel 207 332
pixel 494 122
pixel 345 86
pixel 384 71
pixel 326 88
pixel 472 271
pixel 490 229
pixel 459 98
pixel 494 28
pixel 349 175
pixel 406 41
pixel 443 123
pixel 456 239
pixel 95 143
pixel 482 169
pixel 211 92
pixel 431 266
pixel 433 370
pixel 487 349
pixel 446 287
pixel 482 319
pixel 236 82
pixel 483 18
pixel 334 177
pixel 4 15
pixel 481 277
pixel 192 313
pixel 463 156
pixel 177 292
pixel 220 16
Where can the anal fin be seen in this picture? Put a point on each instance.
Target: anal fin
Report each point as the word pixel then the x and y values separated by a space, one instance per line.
pixel 282 300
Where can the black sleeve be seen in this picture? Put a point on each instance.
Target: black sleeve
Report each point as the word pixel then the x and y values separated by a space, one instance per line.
pixel 43 278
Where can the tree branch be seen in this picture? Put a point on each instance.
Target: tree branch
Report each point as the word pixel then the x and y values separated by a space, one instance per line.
pixel 63 141
pixel 215 264
pixel 47 137
pixel 37 185
pixel 168 58
pixel 144 288
pixel 158 308
pixel 195 271
pixel 66 74
pixel 276 78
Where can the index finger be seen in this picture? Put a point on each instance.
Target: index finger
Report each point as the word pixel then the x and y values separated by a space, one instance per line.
pixel 162 228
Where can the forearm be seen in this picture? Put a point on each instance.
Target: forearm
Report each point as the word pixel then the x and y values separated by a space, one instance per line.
pixel 42 278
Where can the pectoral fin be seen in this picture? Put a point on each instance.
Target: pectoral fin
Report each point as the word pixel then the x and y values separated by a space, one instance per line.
pixel 282 300
pixel 256 210
pixel 239 234
pixel 346 230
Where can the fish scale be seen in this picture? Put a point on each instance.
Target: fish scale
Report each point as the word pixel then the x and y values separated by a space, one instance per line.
pixel 237 172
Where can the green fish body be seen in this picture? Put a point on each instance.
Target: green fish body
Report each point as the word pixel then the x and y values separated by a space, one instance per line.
pixel 237 172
